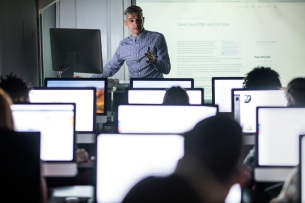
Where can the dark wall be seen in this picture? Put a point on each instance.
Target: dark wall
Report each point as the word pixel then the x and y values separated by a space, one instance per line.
pixel 19 39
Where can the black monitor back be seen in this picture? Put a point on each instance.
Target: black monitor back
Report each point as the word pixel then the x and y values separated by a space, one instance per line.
pixel 20 166
pixel 76 50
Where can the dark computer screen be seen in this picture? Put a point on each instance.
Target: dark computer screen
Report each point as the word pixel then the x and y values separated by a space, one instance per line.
pixel 76 50
pixel 20 166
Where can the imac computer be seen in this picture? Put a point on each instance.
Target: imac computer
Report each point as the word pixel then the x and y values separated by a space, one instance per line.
pixel 83 97
pixel 136 118
pixel 161 82
pixel 137 156
pixel 244 103
pixel 302 167
pixel 277 142
pixel 101 91
pixel 156 95
pixel 55 122
pixel 221 91
pixel 76 50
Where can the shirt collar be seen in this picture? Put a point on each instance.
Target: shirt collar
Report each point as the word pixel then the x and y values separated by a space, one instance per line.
pixel 140 37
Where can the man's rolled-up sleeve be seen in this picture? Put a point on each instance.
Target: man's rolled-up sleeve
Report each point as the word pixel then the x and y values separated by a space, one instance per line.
pixel 162 63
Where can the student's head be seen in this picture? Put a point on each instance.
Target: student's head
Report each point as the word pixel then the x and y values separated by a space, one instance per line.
pixel 262 78
pixel 6 121
pixel 295 92
pixel 216 142
pixel 176 96
pixel 134 20
pixel 16 87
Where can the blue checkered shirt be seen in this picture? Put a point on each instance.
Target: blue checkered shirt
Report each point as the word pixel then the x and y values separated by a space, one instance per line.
pixel 132 50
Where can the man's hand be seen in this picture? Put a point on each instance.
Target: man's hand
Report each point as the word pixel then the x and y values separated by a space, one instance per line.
pixel 77 76
pixel 150 57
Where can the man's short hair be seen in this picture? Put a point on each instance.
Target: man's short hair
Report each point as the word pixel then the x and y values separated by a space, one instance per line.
pixel 262 78
pixel 15 86
pixel 295 92
pixel 216 142
pixel 176 96
pixel 133 9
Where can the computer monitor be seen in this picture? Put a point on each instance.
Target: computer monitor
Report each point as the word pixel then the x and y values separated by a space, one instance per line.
pixel 159 154
pixel 244 103
pixel 76 50
pixel 161 82
pixel 55 122
pixel 161 118
pixel 235 194
pixel 221 91
pixel 20 166
pixel 277 141
pixel 302 167
pixel 125 159
pixel 99 83
pixel 83 97
pixel 156 95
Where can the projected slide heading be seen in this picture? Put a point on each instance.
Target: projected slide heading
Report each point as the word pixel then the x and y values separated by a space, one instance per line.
pixel 202 24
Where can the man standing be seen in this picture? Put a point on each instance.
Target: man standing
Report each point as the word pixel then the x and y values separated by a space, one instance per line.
pixel 145 52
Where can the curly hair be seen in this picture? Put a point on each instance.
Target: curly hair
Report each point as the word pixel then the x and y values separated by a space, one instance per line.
pixel 16 87
pixel 295 92
pixel 262 78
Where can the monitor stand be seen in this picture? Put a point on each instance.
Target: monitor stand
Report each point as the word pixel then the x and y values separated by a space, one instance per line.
pixel 67 71
pixel 59 169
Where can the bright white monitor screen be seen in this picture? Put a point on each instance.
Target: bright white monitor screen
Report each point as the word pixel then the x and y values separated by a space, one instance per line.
pixel 234 195
pixel 83 98
pixel 56 125
pixel 278 135
pixel 245 103
pixel 82 82
pixel 302 172
pixel 208 39
pixel 138 96
pixel 160 84
pixel 161 118
pixel 222 93
pixel 124 160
